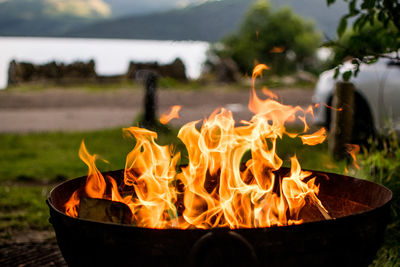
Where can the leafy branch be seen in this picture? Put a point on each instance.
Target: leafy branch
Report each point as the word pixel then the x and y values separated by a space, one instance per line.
pixel 375 33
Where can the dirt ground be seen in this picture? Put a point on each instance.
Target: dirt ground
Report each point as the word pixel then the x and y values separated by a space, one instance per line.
pixel 73 110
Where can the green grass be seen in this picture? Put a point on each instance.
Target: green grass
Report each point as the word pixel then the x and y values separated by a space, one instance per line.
pixel 381 164
pixel 53 156
pixel 23 207
pixel 163 82
pixel 310 157
pixel 29 162
pixel 41 86
pixel 277 82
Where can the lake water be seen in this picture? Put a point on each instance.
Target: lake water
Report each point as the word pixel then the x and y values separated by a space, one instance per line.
pixel 112 56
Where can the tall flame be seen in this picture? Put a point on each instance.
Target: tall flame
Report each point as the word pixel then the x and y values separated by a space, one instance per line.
pixel 215 189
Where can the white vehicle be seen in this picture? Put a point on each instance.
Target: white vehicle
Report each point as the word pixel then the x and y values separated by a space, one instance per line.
pixel 377 98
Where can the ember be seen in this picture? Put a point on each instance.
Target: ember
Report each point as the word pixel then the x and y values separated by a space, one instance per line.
pixel 215 189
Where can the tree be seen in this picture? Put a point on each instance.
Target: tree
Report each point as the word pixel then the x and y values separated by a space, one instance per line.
pixel 375 33
pixel 281 39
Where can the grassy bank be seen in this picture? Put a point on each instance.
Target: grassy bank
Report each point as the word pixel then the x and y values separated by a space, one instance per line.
pixel 381 164
pixel 166 83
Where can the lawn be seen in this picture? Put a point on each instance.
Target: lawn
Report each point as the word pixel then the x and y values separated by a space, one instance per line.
pixel 51 157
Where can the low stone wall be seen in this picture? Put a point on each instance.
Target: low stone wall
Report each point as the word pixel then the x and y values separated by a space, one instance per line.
pixel 84 72
pixel 25 72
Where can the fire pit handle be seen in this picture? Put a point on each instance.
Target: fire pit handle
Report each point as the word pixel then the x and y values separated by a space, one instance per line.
pixel 222 249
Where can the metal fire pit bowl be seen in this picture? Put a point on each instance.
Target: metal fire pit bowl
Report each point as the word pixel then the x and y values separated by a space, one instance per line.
pixel 361 209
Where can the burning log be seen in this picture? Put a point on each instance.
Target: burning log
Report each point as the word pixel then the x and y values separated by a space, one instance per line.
pixel 323 212
pixel 104 210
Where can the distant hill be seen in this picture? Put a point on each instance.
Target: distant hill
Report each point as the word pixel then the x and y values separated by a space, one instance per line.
pixel 48 17
pixel 199 20
pixel 209 21
pixel 139 7
pixel 55 17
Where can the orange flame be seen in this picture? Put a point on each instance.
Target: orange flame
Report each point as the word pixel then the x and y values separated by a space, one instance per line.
pixel 172 114
pixel 327 106
pixel 215 189
pixel 95 184
pixel 277 49
pixel 353 150
pixel 71 207
pixel 314 139
pixel 268 93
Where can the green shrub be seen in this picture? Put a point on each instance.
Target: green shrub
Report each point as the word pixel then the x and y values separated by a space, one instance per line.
pixel 381 164
pixel 281 39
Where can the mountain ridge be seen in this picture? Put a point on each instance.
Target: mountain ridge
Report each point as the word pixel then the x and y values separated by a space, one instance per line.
pixel 48 17
pixel 200 22
pixel 208 21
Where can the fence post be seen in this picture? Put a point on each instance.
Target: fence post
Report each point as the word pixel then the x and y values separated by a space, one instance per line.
pixel 341 120
pixel 150 103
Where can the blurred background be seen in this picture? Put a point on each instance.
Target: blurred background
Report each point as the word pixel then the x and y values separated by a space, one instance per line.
pixel 79 69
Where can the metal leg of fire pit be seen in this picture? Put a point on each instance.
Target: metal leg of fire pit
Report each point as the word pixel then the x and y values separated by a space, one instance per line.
pixel 223 249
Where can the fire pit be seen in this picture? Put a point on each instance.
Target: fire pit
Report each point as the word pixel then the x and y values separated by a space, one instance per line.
pixel 361 209
pixel 233 204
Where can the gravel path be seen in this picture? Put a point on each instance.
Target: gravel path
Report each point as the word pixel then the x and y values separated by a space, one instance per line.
pixel 72 110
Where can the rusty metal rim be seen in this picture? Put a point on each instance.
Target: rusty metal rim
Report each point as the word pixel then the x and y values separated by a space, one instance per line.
pixel 272 228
